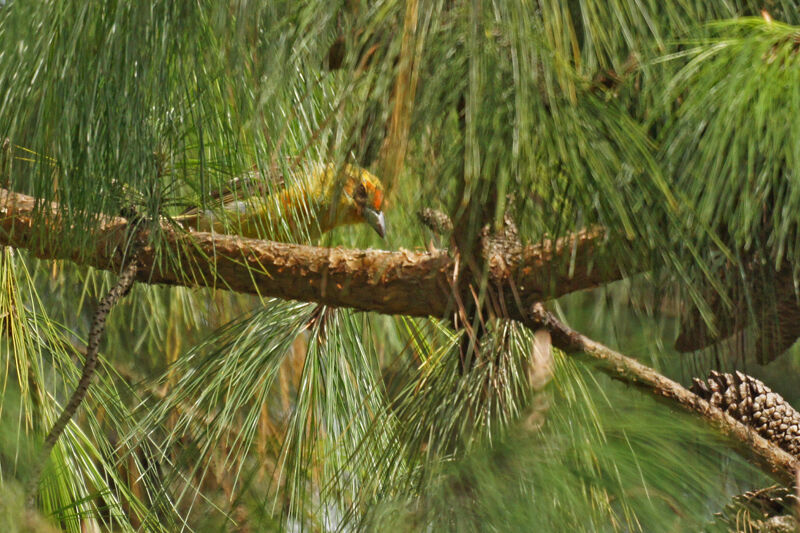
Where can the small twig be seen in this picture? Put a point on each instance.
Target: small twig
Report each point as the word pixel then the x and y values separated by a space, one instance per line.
pixel 769 456
pixel 120 289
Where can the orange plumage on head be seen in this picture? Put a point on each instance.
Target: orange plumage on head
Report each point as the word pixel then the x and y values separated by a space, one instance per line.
pixel 360 199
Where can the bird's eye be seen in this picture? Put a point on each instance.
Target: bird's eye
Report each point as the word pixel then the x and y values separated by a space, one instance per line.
pixel 361 192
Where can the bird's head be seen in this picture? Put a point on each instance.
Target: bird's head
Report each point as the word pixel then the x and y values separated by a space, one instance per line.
pixel 360 196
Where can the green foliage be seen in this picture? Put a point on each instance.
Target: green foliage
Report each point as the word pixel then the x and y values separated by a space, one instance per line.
pixel 732 126
pixel 669 123
pixel 581 471
pixel 83 474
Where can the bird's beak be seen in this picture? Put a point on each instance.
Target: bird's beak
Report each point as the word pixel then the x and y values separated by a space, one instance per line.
pixel 376 221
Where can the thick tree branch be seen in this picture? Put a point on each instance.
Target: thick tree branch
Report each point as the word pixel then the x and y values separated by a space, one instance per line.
pixel 402 282
pixel 771 458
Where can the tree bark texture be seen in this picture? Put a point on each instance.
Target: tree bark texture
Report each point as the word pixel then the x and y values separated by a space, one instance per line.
pixel 404 282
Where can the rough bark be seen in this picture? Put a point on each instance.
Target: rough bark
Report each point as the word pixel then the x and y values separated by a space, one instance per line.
pixel 769 456
pixel 403 282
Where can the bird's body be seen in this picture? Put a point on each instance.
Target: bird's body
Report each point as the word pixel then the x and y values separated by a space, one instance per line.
pixel 323 198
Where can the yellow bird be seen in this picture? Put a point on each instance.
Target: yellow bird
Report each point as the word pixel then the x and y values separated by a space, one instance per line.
pixel 325 198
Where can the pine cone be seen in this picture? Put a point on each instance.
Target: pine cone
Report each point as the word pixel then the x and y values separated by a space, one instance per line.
pixel 765 510
pixel 752 403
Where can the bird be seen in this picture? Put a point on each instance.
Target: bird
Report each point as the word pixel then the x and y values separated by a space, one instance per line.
pixel 324 196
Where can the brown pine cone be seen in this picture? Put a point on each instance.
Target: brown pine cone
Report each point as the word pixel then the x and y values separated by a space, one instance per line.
pixel 752 403
pixel 765 510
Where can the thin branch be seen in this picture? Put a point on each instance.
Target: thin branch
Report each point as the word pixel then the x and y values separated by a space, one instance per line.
pixel 769 457
pixel 402 282
pixel 120 288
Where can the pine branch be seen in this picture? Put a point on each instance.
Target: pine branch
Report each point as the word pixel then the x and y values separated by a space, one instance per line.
pixel 769 456
pixel 402 282
pixel 408 283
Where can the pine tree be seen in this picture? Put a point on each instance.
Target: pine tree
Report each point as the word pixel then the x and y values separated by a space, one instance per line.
pixel 623 167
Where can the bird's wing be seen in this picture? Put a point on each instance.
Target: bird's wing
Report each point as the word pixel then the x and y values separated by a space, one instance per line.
pixel 252 206
pixel 252 184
